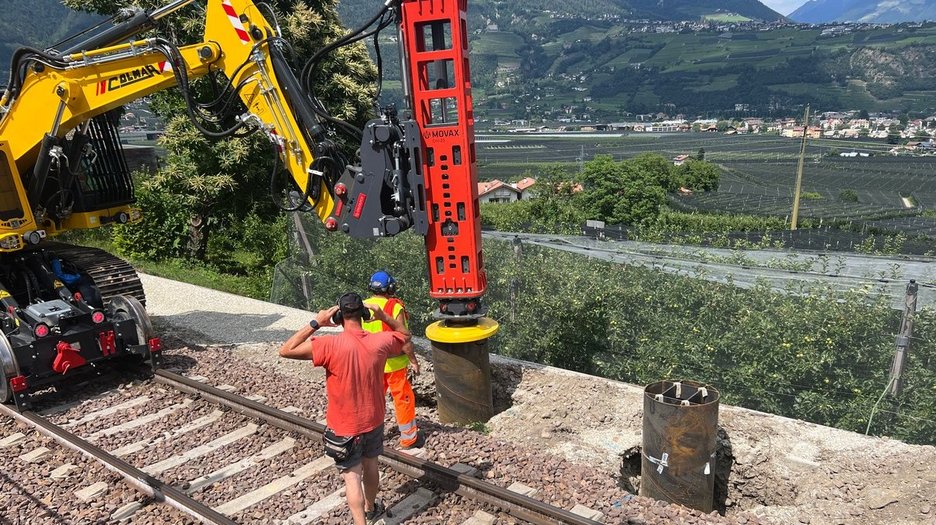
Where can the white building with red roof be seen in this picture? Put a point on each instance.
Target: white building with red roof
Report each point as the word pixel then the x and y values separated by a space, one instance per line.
pixel 500 191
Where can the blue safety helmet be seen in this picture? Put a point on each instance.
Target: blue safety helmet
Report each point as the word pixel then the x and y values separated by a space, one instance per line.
pixel 382 282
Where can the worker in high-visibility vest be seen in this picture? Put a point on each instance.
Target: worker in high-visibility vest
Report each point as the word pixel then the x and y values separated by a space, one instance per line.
pixel 383 285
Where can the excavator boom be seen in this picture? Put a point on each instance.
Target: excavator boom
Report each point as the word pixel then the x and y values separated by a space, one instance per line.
pixel 61 168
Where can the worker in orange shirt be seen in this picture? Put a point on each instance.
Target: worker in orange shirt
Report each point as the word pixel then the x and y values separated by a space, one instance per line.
pixel 383 285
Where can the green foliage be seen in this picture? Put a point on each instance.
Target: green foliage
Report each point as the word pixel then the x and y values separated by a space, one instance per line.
pixel 533 216
pixel 703 71
pixel 699 175
pixel 358 10
pixel 38 24
pixel 893 135
pixel 479 426
pixel 682 222
pixel 658 169
pixel 632 191
pixel 891 246
pixel 618 193
pixel 268 241
pixel 256 285
pixel 507 216
pixel 341 264
pixel 160 234
pixel 848 196
pixel 814 353
pixel 627 192
pixel 554 207
pixel 811 195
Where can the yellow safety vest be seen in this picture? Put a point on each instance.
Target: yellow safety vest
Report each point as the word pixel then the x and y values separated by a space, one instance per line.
pixel 394 363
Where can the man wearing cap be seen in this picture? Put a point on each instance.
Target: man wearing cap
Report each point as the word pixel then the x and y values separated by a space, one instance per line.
pixel 383 285
pixel 354 362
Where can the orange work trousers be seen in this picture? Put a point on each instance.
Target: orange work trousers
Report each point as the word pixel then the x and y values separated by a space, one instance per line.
pixel 404 404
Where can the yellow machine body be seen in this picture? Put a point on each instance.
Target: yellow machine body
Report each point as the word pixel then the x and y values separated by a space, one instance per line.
pixel 103 79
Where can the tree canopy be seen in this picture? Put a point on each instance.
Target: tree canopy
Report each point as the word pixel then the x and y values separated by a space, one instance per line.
pixel 632 191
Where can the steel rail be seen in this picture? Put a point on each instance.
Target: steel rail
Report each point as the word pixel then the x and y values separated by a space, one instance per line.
pixel 517 505
pixel 136 478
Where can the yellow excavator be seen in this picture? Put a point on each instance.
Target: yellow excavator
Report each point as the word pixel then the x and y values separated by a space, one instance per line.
pixel 68 310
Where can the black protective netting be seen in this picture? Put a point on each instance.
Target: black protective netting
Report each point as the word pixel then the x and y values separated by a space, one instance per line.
pixel 810 349
pixel 322 266
pixel 895 236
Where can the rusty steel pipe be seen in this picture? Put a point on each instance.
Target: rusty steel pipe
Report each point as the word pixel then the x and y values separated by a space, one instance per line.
pixel 680 422
pixel 463 382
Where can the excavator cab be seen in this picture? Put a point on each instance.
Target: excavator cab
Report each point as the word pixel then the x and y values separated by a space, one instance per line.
pixel 103 180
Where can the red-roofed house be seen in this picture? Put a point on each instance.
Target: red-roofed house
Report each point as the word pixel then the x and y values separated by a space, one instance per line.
pixel 497 191
pixel 524 186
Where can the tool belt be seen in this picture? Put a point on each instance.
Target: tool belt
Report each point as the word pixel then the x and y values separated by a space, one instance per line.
pixel 339 448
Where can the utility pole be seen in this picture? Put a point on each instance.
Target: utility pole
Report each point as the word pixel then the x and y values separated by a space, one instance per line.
pixel 799 171
pixel 903 340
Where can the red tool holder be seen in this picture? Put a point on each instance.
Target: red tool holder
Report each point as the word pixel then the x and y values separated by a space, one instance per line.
pixel 434 34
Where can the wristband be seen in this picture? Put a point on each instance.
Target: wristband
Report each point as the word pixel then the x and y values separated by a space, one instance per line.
pixel 314 324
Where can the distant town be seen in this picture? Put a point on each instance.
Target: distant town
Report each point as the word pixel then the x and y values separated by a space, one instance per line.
pixel 727 22
pixel 906 134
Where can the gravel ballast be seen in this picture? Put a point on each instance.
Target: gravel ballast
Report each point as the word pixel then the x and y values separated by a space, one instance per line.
pixel 565 434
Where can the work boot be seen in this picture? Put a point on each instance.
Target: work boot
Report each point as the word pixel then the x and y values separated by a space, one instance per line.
pixel 419 443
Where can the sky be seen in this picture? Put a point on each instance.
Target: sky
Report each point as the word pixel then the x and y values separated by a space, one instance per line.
pixel 784 7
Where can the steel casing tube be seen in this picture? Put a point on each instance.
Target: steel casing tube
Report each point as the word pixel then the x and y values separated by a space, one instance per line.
pixel 680 422
pixel 463 381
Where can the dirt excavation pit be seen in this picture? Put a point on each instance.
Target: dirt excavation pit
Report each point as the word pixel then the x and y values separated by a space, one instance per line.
pixel 732 491
pixel 781 470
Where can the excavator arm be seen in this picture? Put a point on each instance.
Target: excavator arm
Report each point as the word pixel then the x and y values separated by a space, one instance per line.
pixel 417 169
pixel 59 93
pixel 63 307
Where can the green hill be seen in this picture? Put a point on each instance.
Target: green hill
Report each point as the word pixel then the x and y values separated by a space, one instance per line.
pixel 557 58
pixel 356 11
pixel 707 71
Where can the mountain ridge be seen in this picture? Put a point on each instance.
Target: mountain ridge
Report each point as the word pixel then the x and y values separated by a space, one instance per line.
pixel 596 63
pixel 19 26
pixel 865 11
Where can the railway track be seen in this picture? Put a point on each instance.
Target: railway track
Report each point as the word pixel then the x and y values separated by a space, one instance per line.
pixel 421 482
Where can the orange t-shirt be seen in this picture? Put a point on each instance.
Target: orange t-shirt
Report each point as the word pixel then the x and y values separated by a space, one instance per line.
pixel 354 373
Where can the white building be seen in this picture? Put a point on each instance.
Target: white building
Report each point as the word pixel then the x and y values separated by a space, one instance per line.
pixel 497 191
pixel 500 191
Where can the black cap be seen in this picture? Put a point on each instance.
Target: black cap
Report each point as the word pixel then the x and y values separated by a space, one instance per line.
pixel 350 303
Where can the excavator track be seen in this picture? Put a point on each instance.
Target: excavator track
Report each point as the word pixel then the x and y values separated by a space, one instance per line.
pixel 112 275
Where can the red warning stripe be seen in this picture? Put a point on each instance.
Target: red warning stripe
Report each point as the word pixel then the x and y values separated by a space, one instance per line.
pixel 235 21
